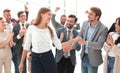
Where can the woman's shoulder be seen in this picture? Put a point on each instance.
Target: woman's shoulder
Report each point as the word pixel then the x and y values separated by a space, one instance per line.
pixel 31 27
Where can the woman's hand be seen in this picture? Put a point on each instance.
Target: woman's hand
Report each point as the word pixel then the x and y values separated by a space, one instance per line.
pixel 110 40
pixel 21 67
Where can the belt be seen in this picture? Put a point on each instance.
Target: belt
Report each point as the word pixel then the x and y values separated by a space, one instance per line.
pixel 109 57
pixel 67 57
pixel 40 54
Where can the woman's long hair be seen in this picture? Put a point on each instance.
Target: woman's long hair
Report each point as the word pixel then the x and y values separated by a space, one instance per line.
pixel 38 20
pixel 118 39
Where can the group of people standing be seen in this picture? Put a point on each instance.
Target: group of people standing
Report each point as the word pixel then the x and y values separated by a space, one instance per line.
pixel 12 34
pixel 40 37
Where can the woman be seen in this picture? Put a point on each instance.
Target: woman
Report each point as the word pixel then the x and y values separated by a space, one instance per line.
pixel 29 53
pixel 41 36
pixel 112 47
pixel 5 48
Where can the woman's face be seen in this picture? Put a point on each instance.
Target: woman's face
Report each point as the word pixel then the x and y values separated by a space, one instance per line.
pixel 2 24
pixel 47 17
pixel 117 26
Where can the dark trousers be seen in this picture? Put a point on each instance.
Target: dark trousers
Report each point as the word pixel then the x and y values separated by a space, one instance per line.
pixel 65 66
pixel 16 61
pixel 43 63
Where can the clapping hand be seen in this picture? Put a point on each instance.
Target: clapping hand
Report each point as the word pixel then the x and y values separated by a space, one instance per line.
pixel 110 41
pixel 10 36
pixel 22 32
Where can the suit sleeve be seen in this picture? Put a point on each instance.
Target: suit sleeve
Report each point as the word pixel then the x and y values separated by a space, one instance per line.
pixel 77 46
pixel 27 13
pixel 54 22
pixel 16 32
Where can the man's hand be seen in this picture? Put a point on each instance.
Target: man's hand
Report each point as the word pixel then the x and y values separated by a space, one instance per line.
pixel 68 48
pixel 22 32
pixel 26 6
pixel 57 9
pixel 82 41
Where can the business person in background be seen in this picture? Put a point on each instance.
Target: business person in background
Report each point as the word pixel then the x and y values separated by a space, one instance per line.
pixel 93 35
pixel 19 32
pixel 112 48
pixel 41 36
pixel 56 24
pixel 66 61
pixel 63 19
pixel 10 22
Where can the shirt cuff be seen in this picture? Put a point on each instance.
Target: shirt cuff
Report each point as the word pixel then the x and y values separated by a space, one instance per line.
pixel 18 36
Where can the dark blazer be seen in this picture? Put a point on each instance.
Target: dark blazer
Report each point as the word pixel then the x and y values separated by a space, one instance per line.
pixel 18 47
pixel 59 53
pixel 95 44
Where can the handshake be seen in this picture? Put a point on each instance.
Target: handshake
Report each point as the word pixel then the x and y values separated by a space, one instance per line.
pixel 67 46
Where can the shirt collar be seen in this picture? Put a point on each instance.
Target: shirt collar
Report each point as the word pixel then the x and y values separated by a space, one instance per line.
pixel 69 29
pixel 93 26
pixel 22 23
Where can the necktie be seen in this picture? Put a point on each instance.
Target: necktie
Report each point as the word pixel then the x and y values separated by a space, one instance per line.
pixel 67 54
pixel 22 25
pixel 24 35
pixel 68 36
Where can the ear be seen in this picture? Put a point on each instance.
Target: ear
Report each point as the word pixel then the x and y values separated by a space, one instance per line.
pixel 42 14
pixel 97 17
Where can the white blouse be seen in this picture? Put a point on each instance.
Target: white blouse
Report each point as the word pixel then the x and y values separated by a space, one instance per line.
pixel 40 39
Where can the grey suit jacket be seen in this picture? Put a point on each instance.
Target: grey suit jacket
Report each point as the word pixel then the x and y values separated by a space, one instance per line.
pixel 18 47
pixel 59 53
pixel 95 44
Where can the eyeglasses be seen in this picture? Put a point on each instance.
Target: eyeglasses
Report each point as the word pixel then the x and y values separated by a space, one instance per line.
pixel 22 15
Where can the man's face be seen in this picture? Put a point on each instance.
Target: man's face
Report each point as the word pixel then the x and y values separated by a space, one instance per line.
pixel 22 17
pixel 7 16
pixel 70 22
pixel 92 16
pixel 63 20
